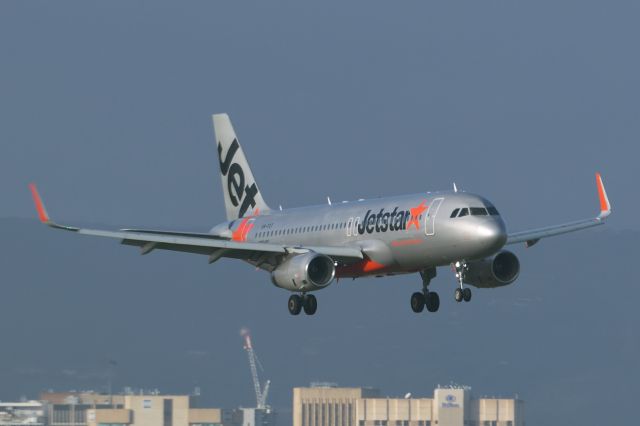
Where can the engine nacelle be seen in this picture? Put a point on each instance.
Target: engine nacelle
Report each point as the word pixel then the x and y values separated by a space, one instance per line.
pixel 496 271
pixel 304 272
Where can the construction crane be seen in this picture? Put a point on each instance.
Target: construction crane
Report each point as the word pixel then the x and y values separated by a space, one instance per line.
pixel 254 362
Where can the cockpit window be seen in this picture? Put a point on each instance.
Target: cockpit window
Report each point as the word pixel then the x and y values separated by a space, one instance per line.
pixel 493 211
pixel 463 212
pixel 478 211
pixel 454 213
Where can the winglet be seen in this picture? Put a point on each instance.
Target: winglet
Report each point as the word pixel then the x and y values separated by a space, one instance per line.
pixel 42 212
pixel 605 206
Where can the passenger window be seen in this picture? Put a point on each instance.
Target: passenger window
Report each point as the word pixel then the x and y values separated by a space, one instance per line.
pixel 464 212
pixel 478 211
pixel 454 213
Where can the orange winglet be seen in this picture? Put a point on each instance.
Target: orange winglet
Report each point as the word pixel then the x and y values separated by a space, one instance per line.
pixel 605 206
pixel 42 212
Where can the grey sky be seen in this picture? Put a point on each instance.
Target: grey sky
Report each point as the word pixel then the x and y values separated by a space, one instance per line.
pixel 107 107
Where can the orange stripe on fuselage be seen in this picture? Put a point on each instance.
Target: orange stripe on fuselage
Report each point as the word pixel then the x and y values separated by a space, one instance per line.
pixel 238 234
pixel 241 233
pixel 400 243
pixel 365 267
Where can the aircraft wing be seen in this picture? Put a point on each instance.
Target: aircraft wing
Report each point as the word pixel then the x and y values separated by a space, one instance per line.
pixel 532 236
pixel 199 243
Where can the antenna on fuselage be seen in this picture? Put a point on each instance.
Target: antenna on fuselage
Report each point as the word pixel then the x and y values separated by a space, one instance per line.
pixel 328 200
pixel 455 188
pixel 280 207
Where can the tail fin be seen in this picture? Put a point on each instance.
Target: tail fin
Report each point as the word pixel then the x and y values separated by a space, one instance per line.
pixel 241 194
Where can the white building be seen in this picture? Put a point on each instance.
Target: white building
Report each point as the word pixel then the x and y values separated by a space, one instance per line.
pixel 29 413
pixel 450 406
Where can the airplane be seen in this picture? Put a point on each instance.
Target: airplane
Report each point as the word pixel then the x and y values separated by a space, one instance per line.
pixel 306 249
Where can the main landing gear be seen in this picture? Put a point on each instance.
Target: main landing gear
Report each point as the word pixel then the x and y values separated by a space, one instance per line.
pixel 306 302
pixel 426 298
pixel 461 293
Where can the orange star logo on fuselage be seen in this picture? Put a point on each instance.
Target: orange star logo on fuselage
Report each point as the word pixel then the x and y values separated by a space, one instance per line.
pixel 415 215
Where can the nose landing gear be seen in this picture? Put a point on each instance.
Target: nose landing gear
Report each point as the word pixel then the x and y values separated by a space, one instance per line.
pixel 461 293
pixel 426 298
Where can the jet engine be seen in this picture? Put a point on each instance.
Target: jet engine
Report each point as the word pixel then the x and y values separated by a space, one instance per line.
pixel 495 271
pixel 304 272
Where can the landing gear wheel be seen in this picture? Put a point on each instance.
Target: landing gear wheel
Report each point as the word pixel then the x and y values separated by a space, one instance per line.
pixel 432 301
pixel 459 295
pixel 310 304
pixel 417 302
pixel 295 304
pixel 466 294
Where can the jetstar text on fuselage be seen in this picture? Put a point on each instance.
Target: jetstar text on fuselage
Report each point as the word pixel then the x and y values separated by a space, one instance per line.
pixel 384 221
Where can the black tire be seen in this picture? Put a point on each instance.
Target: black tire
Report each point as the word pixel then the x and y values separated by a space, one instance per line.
pixel 310 304
pixel 432 301
pixel 466 294
pixel 295 304
pixel 459 296
pixel 417 302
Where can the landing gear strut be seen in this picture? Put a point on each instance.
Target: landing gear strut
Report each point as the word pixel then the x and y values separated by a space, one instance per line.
pixel 297 303
pixel 427 298
pixel 461 293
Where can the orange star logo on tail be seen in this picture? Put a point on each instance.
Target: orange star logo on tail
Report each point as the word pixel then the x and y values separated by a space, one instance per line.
pixel 241 233
pixel 415 214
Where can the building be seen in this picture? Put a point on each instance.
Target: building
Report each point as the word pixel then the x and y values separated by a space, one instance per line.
pixel 27 413
pixel 155 410
pixel 326 404
pixel 70 408
pixel 91 409
pixel 450 406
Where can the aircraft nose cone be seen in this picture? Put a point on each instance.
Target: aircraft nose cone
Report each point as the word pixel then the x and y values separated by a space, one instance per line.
pixel 493 234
